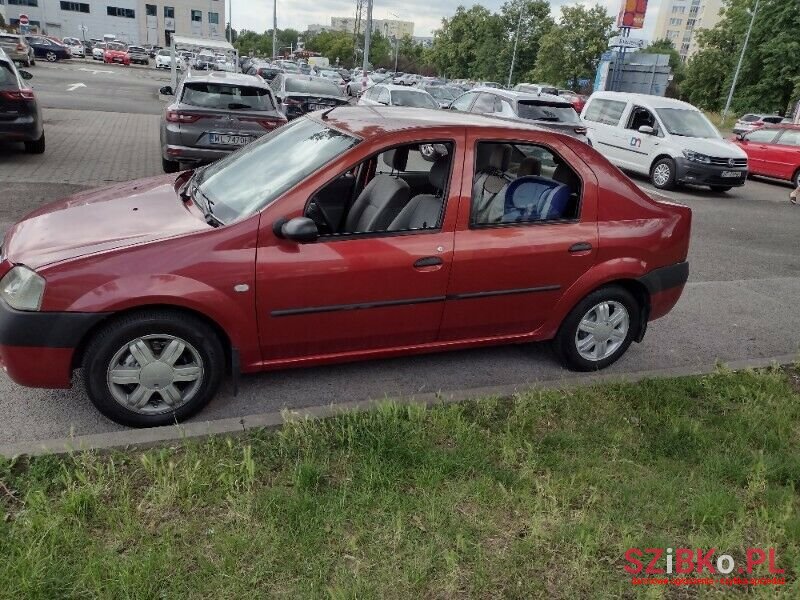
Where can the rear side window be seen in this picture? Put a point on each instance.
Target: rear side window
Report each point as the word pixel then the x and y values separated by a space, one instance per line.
pixel 312 86
pixel 608 112
pixel 775 119
pixel 790 137
pixel 8 79
pixel 557 113
pixel 232 97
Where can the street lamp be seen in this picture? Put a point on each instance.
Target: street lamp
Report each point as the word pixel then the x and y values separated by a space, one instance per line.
pixel 516 40
pixel 741 59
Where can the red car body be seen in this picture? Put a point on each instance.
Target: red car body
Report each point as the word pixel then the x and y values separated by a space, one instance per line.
pixel 113 55
pixel 139 245
pixel 773 151
pixel 578 101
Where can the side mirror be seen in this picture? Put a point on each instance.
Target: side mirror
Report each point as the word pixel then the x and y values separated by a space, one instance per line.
pixel 741 138
pixel 646 129
pixel 166 90
pixel 25 74
pixel 299 229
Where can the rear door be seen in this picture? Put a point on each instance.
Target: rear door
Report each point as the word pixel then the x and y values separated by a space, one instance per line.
pixel 602 117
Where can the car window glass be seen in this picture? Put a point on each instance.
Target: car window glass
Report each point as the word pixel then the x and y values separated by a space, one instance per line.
pixel 484 104
pixel 750 118
pixel 641 117
pixel 534 185
pixel 232 97
pixel 504 109
pixel 790 137
pixel 413 99
pixel 608 112
pixel 547 111
pixel 312 86
pixel 8 79
pixel 463 101
pixel 383 97
pixel 761 135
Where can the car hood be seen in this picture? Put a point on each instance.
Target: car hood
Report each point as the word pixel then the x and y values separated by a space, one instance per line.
pixel 131 213
pixel 710 147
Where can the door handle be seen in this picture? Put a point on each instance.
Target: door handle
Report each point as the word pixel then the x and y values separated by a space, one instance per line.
pixel 428 261
pixel 580 247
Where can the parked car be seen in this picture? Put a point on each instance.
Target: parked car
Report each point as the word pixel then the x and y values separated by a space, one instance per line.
pixel 138 55
pixel 545 110
pixel 17 49
pixel 752 121
pixel 397 95
pixel 773 151
pixel 20 114
pixel 670 141
pixel 300 94
pixel 407 79
pixel 443 94
pixel 278 256
pixel 152 51
pixel 116 52
pixel 203 62
pixel 99 50
pixel 75 46
pixel 578 101
pixel 164 60
pixel 332 75
pixel 214 114
pixel 536 88
pixel 47 49
pixel 267 72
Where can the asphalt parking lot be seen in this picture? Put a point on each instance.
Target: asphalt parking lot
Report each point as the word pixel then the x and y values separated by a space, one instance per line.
pixel 741 301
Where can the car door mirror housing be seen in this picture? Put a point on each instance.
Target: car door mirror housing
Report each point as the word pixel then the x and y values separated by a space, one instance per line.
pixel 166 90
pixel 646 129
pixel 299 229
pixel 25 74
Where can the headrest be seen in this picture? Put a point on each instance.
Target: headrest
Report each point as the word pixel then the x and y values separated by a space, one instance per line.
pixel 500 157
pixel 397 159
pixel 529 166
pixel 439 172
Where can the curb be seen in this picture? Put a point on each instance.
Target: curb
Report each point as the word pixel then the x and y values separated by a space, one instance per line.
pixel 145 438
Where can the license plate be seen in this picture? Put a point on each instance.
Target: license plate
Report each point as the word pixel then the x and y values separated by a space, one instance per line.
pixel 315 106
pixel 222 139
pixel 731 174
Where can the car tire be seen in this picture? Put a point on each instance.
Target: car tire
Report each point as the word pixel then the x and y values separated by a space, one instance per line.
pixel 721 189
pixel 170 166
pixel 51 57
pixel 796 179
pixel 619 325
pixel 662 174
pixel 124 344
pixel 36 146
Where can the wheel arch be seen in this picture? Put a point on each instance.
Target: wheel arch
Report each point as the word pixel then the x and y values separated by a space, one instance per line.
pixel 658 158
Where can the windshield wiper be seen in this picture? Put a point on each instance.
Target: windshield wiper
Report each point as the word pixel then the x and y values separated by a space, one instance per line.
pixel 208 210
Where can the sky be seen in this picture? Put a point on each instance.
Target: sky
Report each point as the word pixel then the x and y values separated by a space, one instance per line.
pixel 256 15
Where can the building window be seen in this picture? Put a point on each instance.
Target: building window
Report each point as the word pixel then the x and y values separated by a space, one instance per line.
pixel 213 18
pixel 151 9
pixel 23 2
pixel 35 25
pixel 678 10
pixel 197 16
pixel 169 12
pixel 114 11
pixel 675 22
pixel 75 6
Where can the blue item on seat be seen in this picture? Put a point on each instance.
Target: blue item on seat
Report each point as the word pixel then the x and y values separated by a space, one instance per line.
pixel 534 198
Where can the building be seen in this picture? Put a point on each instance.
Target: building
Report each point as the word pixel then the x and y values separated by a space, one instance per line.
pixel 387 27
pixel 424 41
pixel 680 20
pixel 317 28
pixel 132 21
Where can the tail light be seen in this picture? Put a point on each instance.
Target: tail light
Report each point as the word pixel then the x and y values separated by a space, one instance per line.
pixel 20 95
pixel 174 116
pixel 268 124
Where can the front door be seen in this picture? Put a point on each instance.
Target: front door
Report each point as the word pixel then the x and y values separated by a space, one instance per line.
pixel 756 144
pixel 509 274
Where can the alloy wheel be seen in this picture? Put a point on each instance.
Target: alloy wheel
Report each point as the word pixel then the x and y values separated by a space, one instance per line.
pixel 602 330
pixel 661 174
pixel 51 57
pixel 155 374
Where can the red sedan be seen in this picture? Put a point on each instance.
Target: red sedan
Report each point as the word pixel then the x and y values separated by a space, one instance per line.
pixel 116 52
pixel 354 233
pixel 773 151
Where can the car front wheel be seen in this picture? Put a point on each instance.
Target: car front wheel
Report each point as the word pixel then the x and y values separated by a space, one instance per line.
pixel 153 368
pixel 598 331
pixel 662 174
pixel 51 57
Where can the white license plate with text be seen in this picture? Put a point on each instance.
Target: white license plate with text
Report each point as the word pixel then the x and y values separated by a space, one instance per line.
pixel 223 139
pixel 731 174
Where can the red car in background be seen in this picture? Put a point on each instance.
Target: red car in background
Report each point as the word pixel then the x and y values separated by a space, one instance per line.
pixel 773 151
pixel 350 233
pixel 578 101
pixel 116 52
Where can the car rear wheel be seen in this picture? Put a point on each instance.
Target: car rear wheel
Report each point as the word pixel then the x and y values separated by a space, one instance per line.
pixel 153 368
pixel 662 175
pixel 598 331
pixel 36 146
pixel 796 179
pixel 721 188
pixel 170 166
pixel 51 57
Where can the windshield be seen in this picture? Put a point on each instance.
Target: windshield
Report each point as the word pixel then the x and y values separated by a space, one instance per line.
pixel 556 113
pixel 687 122
pixel 440 93
pixel 312 86
pixel 253 177
pixel 163 52
pixel 116 46
pixel 413 99
pixel 215 95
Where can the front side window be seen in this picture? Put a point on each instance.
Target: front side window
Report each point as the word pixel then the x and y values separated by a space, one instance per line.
pixel 463 101
pixel 607 112
pixel 522 183
pixel 253 177
pixel 484 104
pixel 641 117
pixel 686 122
pixel 764 136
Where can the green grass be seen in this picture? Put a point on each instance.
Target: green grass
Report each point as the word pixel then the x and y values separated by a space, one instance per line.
pixel 536 496
pixel 725 127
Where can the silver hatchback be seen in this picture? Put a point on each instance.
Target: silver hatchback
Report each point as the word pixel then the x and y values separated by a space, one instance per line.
pixel 214 114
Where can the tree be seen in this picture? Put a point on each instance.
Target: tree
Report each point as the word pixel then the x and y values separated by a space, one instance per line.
pixel 675 64
pixel 333 45
pixel 536 22
pixel 571 50
pixel 470 44
pixel 380 50
pixel 770 75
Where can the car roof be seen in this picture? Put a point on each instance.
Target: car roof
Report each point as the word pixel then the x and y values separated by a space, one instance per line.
pixel 368 121
pixel 226 77
pixel 515 95
pixel 392 87
pixel 654 102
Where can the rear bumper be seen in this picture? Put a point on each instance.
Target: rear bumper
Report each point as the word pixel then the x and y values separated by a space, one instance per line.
pixel 189 155
pixel 18 56
pixel 37 348
pixel 25 129
pixel 665 286
pixel 700 174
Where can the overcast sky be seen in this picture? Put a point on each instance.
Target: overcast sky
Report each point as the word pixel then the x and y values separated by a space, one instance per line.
pixel 256 15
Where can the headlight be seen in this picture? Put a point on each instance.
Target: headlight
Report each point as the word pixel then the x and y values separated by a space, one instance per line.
pixel 22 289
pixel 697 157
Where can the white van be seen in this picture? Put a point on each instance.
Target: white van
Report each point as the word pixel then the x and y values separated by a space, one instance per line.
pixel 669 140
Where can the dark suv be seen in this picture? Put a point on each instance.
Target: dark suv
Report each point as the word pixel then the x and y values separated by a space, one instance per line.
pixel 20 115
pixel 549 111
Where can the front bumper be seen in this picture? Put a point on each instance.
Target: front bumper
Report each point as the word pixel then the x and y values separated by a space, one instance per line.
pixel 37 348
pixel 701 174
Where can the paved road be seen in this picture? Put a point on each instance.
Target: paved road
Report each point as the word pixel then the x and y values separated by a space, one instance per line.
pixel 741 301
